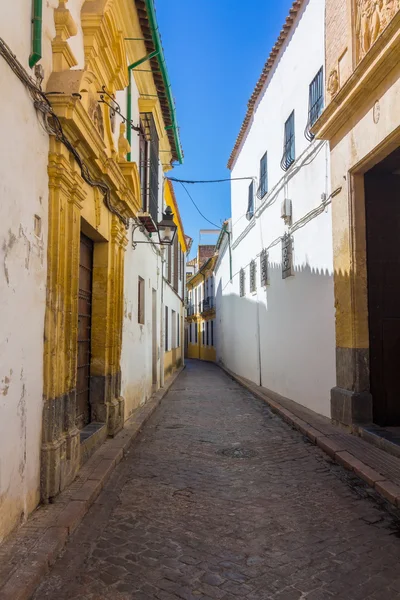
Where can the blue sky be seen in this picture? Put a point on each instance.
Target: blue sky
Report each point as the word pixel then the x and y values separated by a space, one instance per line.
pixel 215 51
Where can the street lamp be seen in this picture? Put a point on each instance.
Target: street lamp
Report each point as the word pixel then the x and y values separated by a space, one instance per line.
pixel 167 228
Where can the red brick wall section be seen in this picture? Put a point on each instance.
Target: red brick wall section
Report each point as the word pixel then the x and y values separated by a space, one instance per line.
pixel 205 252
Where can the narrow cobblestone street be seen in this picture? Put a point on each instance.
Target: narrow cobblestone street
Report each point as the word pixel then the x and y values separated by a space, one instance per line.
pixel 220 499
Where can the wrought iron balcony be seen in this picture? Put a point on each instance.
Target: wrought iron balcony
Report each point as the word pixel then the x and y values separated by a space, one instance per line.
pixel 190 310
pixel 207 304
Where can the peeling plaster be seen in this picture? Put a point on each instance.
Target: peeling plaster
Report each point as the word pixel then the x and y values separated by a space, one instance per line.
pixel 6 384
pixel 7 246
pixel 21 412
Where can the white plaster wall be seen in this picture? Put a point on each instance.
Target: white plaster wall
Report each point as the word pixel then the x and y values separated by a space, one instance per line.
pixel 23 194
pixel 174 303
pixel 136 359
pixel 143 261
pixel 283 335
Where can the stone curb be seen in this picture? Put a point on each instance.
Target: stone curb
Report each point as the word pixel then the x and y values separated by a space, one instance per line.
pixel 386 488
pixel 23 582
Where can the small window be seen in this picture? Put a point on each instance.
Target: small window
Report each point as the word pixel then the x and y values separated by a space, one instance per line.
pixel 250 205
pixel 178 339
pixel 203 334
pixel 242 283
pixel 196 335
pixel 263 189
pixel 253 275
pixel 166 330
pixel 207 333
pixel 190 332
pixel 264 267
pixel 289 144
pixel 315 102
pixel 173 329
pixel 141 301
pixel 212 333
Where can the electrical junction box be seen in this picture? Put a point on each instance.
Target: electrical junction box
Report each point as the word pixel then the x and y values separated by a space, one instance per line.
pixel 286 211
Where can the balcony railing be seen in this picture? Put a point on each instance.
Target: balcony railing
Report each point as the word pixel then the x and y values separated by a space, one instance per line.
pixel 190 310
pixel 207 304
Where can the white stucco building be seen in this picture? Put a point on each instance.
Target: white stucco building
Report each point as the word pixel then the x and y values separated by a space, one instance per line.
pixel 92 307
pixel 274 275
pixel 23 255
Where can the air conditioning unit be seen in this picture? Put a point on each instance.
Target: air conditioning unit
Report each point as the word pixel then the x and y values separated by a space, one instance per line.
pixel 286 211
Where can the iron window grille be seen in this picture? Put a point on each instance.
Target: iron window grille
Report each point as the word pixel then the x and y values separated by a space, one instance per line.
pixel 263 188
pixel 315 102
pixel 149 165
pixel 242 282
pixel 253 276
pixel 141 300
pixel 250 205
pixel 264 267
pixel 287 256
pixel 212 333
pixel 288 157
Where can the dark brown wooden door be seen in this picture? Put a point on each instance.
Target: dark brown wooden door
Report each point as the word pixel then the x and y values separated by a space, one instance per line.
pixel 382 192
pixel 84 332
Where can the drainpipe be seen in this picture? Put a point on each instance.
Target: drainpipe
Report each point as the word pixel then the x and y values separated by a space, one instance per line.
pixel 129 98
pixel 163 67
pixel 36 53
pixel 162 323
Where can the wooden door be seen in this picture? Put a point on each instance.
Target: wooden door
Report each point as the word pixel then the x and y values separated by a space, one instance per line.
pixel 382 195
pixel 84 332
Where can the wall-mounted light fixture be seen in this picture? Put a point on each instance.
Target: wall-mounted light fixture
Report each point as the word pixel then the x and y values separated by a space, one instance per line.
pixel 166 230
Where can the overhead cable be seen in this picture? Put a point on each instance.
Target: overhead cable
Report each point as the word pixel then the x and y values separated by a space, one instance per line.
pixel 208 180
pixel 195 205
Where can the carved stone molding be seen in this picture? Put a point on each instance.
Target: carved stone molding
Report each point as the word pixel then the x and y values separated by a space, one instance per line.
pixel 65 26
pixel 333 83
pixel 371 18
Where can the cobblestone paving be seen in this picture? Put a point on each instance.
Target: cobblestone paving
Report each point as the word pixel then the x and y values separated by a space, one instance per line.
pixel 219 499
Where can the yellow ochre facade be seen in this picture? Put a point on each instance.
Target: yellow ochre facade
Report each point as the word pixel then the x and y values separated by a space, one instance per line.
pixel 201 314
pixel 81 213
pixel 362 123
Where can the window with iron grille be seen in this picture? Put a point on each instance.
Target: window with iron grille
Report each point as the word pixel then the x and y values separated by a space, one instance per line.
pixel 212 333
pixel 141 301
pixel 315 102
pixel 264 267
pixel 149 166
pixel 263 189
pixel 196 338
pixel 242 282
pixel 208 332
pixel 143 166
pixel 253 276
pixel 250 205
pixel 178 338
pixel 289 144
pixel 287 256
pixel 203 334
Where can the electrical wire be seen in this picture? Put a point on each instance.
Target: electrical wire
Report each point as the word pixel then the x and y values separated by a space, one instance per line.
pixel 194 204
pixel 208 180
